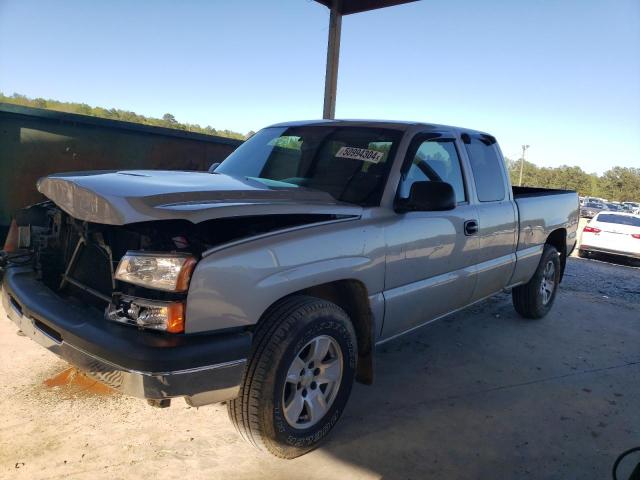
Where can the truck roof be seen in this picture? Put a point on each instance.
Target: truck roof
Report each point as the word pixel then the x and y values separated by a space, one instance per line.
pixel 392 124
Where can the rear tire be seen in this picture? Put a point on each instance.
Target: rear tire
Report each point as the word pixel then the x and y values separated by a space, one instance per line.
pixel 583 253
pixel 535 298
pixel 298 378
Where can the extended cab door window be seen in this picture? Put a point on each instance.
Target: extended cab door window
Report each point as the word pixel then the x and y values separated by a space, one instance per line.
pixel 486 166
pixel 435 161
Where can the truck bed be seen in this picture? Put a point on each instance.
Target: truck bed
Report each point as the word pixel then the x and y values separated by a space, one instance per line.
pixel 543 210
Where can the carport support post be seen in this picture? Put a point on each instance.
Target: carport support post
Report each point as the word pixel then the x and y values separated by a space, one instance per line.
pixel 333 55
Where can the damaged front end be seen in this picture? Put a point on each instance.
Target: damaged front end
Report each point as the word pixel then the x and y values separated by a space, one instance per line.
pixel 111 299
pixel 135 274
pixel 78 260
pixel 108 293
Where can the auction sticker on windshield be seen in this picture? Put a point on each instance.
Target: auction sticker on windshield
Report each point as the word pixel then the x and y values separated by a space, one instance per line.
pixel 363 154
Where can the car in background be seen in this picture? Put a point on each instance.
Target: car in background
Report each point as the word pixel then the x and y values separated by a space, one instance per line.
pixel 590 209
pixel 613 207
pixel 632 207
pixel 612 233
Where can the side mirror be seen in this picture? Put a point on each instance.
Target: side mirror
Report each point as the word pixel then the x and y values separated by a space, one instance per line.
pixel 213 167
pixel 430 196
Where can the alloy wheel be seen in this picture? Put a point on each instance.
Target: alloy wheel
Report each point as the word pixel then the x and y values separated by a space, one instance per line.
pixel 548 283
pixel 312 383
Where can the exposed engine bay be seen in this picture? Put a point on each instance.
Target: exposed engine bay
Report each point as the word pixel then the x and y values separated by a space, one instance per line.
pixel 78 259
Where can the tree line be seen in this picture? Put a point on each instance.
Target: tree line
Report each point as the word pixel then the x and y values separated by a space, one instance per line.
pixel 167 121
pixel 618 183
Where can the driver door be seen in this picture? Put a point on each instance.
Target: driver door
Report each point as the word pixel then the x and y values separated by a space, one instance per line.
pixel 431 256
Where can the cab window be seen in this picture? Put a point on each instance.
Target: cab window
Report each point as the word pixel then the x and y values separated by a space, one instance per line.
pixel 434 161
pixel 486 167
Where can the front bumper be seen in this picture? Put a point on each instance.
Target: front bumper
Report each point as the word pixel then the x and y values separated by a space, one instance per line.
pixel 204 368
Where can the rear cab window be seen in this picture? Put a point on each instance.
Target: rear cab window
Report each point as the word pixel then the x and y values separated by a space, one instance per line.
pixel 486 165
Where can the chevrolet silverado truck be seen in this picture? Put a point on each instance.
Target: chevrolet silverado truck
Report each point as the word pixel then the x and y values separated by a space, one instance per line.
pixel 268 282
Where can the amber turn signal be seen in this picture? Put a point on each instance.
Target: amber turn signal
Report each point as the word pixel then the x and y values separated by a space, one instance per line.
pixel 182 283
pixel 175 317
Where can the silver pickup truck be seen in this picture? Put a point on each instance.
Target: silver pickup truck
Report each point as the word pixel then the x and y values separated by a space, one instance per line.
pixel 268 282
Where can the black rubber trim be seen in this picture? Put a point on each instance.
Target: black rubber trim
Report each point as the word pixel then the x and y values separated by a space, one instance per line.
pixel 523 192
pixel 125 346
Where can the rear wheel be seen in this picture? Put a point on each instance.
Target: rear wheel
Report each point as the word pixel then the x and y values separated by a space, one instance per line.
pixel 583 253
pixel 535 298
pixel 299 377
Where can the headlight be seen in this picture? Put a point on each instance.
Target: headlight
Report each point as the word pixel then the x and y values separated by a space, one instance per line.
pixel 158 271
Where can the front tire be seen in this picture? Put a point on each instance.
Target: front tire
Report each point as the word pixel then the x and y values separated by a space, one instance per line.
pixel 535 298
pixel 299 376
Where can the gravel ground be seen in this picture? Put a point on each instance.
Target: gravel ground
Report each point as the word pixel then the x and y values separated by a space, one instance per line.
pixel 609 280
pixel 481 394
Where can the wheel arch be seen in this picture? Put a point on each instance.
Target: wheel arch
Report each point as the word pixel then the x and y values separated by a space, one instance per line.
pixel 558 239
pixel 352 296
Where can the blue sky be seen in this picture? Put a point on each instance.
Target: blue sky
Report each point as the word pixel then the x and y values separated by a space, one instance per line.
pixel 562 76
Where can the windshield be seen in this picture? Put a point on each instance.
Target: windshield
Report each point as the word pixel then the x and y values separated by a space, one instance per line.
pixel 619 219
pixel 592 205
pixel 349 163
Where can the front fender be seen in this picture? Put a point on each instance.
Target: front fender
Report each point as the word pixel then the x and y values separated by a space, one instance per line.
pixel 234 286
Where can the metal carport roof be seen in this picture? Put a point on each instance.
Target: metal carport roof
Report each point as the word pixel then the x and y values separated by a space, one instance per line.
pixel 347 7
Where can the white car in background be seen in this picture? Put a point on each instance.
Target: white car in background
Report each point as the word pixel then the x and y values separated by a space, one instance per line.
pixel 614 233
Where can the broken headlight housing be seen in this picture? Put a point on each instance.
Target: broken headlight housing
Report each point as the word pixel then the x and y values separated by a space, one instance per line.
pixel 165 316
pixel 159 271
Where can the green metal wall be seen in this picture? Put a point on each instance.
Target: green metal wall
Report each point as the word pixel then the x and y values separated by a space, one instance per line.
pixel 35 143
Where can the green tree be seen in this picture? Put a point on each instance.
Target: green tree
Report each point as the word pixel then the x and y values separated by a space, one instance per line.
pixel 621 184
pixel 168 119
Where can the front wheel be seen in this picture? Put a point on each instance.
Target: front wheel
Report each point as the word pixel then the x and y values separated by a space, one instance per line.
pixel 535 298
pixel 299 377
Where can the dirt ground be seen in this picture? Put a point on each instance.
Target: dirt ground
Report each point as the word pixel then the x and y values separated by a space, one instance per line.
pixel 481 394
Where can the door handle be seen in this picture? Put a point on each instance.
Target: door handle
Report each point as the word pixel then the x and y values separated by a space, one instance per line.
pixel 470 227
